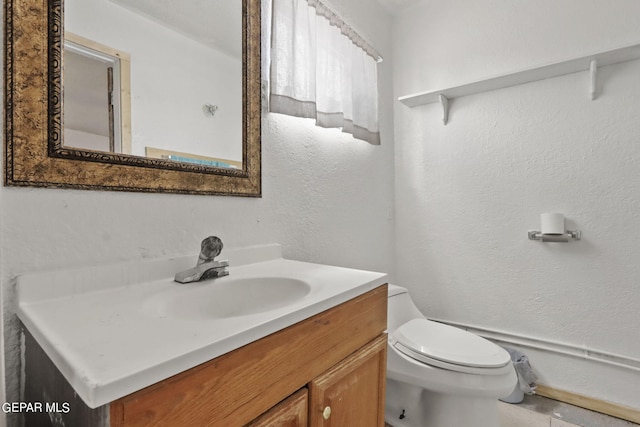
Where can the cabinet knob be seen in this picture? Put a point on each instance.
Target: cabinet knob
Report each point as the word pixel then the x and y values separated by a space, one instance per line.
pixel 326 413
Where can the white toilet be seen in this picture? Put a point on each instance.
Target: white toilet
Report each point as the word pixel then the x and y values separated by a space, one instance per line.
pixel 439 375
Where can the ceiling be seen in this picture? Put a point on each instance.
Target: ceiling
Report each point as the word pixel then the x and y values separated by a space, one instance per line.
pixel 395 6
pixel 216 23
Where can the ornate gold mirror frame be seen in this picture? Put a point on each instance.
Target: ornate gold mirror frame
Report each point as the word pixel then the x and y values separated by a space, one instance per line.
pixel 34 153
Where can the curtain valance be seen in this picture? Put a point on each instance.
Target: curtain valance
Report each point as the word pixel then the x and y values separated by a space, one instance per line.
pixel 322 69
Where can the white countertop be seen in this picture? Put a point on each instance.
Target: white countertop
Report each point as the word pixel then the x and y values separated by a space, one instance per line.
pixel 96 325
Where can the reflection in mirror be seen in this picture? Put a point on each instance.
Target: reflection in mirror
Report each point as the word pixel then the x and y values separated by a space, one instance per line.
pixel 185 98
pixel 97 107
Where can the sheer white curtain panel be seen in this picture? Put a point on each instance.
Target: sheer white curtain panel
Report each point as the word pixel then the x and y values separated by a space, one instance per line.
pixel 321 69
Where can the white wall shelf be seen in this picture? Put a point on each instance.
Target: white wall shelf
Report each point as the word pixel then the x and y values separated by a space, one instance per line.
pixel 589 63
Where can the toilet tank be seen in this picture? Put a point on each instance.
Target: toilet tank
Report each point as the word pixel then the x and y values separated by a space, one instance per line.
pixel 400 308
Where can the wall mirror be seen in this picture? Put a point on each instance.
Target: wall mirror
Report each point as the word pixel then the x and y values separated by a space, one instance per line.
pixel 133 95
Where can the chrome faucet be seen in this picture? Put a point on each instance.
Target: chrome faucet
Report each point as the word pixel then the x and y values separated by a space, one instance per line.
pixel 206 267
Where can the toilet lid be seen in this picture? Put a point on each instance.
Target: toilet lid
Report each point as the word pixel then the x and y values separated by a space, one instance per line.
pixel 448 344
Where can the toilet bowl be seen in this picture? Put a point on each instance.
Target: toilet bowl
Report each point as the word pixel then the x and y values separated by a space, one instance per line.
pixel 439 375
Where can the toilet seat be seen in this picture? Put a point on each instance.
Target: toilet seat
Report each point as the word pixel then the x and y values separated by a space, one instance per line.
pixel 448 347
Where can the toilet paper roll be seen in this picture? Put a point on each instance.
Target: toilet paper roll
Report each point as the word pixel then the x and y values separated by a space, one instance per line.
pixel 552 223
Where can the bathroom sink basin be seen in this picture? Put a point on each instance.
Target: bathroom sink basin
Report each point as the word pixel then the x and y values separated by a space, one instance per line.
pixel 228 297
pixel 140 327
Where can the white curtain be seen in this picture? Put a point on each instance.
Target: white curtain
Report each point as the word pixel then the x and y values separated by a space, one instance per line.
pixel 321 69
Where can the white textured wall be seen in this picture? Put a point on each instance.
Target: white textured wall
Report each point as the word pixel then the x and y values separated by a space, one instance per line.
pixel 467 193
pixel 326 197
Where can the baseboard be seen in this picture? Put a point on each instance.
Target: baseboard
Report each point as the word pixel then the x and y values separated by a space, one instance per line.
pixel 596 405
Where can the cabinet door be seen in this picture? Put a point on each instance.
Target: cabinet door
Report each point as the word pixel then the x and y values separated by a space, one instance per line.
pixel 352 392
pixel 291 412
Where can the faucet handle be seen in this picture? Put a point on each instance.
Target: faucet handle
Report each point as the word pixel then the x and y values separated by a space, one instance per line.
pixel 209 249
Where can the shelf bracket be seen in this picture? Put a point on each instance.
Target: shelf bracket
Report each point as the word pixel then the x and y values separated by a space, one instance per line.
pixel 445 108
pixel 593 74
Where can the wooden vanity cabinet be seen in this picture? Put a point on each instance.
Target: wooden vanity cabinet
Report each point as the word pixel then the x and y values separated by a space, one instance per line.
pixel 349 394
pixel 344 395
pixel 292 412
pixel 336 359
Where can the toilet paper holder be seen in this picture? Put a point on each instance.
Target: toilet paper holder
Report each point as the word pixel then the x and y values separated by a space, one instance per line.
pixel 552 229
pixel 558 238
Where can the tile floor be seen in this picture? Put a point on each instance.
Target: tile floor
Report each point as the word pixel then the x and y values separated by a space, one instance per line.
pixel 537 411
